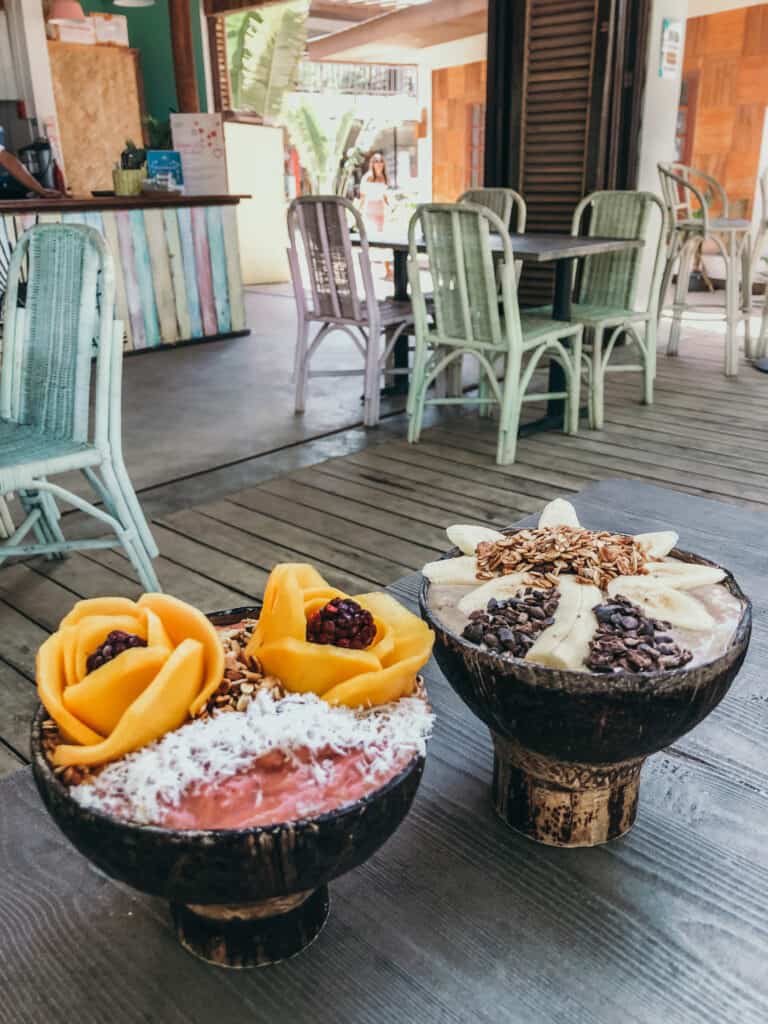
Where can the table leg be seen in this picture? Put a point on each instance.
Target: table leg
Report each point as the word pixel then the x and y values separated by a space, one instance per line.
pixel 400 355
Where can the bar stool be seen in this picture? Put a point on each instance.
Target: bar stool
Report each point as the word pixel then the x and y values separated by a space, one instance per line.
pixel 692 225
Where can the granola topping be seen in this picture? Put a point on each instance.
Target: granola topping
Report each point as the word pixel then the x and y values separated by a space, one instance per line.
pixel 593 557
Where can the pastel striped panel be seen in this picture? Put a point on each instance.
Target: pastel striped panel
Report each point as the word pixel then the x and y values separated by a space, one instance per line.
pixel 161 275
pixel 234 271
pixel 133 295
pixel 144 277
pixel 218 268
pixel 203 270
pixel 177 269
pixel 176 261
pixel 109 227
pixel 190 277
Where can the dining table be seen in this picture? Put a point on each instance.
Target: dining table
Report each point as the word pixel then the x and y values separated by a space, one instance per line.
pixel 562 250
pixel 458 919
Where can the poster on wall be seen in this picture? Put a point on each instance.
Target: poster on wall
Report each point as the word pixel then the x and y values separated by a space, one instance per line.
pixel 671 48
pixel 199 138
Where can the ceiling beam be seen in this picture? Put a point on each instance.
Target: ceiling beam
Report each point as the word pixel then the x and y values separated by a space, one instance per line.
pixel 409 28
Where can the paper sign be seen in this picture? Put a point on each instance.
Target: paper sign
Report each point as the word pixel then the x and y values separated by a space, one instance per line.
pixel 671 48
pixel 199 138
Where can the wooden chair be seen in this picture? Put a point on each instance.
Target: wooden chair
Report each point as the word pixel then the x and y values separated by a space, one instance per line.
pixel 335 289
pixel 46 426
pixel 469 320
pixel 606 302
pixel 688 196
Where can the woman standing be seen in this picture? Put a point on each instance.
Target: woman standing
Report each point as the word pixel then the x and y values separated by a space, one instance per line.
pixel 373 193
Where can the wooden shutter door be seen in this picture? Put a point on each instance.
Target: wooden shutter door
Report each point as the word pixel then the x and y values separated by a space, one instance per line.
pixel 562 103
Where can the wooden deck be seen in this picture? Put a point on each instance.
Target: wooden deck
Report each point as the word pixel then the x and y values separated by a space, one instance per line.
pixel 367 518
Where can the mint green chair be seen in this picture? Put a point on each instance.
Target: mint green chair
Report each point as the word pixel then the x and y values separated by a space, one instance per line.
pixel 608 299
pixel 469 318
pixel 507 204
pixel 47 427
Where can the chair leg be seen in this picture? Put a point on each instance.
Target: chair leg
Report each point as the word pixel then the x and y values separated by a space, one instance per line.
pixel 746 296
pixel 649 361
pixel 372 379
pixel 732 309
pixel 131 539
pixel 301 366
pixel 571 423
pixel 597 376
pixel 417 396
pixel 681 295
pixel 665 279
pixel 761 345
pixel 509 416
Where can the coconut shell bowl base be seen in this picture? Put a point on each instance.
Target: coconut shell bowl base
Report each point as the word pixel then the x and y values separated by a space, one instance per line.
pixel 238 897
pixel 569 746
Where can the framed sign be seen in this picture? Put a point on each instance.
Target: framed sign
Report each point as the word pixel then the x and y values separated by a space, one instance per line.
pixel 199 138
pixel 670 56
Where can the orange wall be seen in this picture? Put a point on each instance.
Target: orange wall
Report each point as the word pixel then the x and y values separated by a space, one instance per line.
pixel 454 90
pixel 730 52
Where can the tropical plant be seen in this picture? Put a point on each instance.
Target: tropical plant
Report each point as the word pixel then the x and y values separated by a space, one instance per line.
pixel 263 52
pixel 327 151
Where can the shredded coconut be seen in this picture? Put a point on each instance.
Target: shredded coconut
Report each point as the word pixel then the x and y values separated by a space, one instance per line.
pixel 140 785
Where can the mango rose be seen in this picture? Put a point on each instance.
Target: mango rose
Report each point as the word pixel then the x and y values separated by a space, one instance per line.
pixel 384 671
pixel 139 695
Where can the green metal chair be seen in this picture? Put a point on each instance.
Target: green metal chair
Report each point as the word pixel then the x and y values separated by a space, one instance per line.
pixel 606 300
pixel 469 320
pixel 46 424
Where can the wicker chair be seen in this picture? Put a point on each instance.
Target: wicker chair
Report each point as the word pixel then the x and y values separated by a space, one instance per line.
pixel 468 321
pixel 688 195
pixel 341 296
pixel 606 302
pixel 46 427
pixel 508 205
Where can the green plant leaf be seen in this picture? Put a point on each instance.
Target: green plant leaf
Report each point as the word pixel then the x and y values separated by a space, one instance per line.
pixel 264 50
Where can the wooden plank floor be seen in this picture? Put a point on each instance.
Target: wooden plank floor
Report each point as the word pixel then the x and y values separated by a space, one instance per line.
pixel 368 518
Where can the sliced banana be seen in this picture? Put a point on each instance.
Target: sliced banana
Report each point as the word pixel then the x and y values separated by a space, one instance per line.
pixel 501 588
pixel 685 575
pixel 558 512
pixel 461 571
pixel 659 600
pixel 658 544
pixel 467 537
pixel 565 644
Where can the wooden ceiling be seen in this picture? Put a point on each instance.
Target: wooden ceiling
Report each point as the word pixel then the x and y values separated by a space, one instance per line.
pixel 357 10
pixel 393 36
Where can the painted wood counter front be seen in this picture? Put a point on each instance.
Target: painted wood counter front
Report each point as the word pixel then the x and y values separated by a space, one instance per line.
pixel 177 261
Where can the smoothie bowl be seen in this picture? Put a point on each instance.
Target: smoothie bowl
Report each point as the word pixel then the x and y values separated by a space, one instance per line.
pixel 174 756
pixel 583 652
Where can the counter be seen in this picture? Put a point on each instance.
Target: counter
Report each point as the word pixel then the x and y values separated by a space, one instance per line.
pixel 177 260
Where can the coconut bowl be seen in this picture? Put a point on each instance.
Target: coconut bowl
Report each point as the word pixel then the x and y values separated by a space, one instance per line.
pixel 239 897
pixel 569 746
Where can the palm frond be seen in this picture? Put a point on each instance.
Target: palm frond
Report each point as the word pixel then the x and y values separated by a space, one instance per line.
pixel 266 63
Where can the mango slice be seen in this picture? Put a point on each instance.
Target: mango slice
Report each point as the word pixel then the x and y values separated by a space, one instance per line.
pixel 104 695
pixel 49 666
pixel 304 667
pixel 163 706
pixel 93 631
pixel 412 651
pixel 157 635
pixel 181 622
pixel 98 606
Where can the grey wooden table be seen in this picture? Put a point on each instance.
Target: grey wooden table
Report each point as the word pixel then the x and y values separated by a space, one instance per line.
pixel 560 249
pixel 457 918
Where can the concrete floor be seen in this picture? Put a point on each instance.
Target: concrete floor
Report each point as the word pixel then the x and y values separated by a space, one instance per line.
pixel 193 409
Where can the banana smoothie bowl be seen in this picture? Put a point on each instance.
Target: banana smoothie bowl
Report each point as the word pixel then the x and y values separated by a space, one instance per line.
pixel 234 763
pixel 583 652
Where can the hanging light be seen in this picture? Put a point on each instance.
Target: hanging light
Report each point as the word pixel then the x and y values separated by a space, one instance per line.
pixel 134 3
pixel 63 11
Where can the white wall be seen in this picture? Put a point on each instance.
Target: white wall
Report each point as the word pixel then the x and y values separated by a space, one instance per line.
pixel 255 168
pixel 698 7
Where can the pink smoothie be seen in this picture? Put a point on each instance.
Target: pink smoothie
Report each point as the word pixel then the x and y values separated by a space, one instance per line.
pixel 278 788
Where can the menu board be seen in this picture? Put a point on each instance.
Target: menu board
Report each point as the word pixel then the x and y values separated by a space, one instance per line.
pixel 199 138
